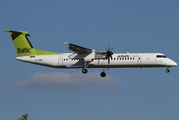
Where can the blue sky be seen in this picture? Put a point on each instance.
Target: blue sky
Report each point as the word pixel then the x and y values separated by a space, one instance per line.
pixel 126 94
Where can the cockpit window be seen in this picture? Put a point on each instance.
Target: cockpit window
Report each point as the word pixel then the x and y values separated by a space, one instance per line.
pixel 161 56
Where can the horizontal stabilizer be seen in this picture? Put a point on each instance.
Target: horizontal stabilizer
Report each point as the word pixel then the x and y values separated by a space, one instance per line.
pixel 17 32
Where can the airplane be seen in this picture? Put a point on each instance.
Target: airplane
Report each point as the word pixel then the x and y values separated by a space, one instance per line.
pixel 84 58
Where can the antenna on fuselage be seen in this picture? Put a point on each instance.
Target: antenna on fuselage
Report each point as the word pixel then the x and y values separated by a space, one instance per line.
pixel 126 51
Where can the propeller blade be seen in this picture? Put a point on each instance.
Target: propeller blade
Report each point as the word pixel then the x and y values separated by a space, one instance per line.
pixel 108 60
pixel 109 47
pixel 109 53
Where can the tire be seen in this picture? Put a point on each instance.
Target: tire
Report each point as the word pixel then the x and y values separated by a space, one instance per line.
pixel 103 74
pixel 84 71
pixel 167 70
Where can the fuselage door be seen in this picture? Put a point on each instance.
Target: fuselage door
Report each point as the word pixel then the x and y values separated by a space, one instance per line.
pixel 139 60
pixel 60 61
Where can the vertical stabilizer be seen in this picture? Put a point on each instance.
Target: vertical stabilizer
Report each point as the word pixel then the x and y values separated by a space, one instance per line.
pixel 22 44
pixel 24 47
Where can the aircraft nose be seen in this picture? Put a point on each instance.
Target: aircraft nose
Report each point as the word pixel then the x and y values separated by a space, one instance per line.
pixel 173 63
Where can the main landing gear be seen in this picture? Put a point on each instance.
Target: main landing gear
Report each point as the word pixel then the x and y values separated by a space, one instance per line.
pixel 103 74
pixel 84 70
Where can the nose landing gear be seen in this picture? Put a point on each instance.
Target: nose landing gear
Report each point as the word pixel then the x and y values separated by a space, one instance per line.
pixel 168 70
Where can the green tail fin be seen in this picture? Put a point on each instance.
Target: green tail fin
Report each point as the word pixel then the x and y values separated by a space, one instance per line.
pixel 23 46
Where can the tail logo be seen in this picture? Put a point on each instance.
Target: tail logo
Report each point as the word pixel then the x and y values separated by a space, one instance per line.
pixel 24 50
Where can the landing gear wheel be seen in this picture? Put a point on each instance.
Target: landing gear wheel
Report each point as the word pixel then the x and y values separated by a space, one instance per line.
pixel 167 70
pixel 84 70
pixel 103 74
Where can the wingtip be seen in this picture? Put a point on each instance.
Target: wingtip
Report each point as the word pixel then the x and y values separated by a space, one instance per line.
pixel 66 43
pixel 6 30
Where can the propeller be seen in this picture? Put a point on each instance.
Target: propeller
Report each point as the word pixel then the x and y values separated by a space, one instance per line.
pixel 109 54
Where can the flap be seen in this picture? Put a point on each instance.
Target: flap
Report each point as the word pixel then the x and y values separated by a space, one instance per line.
pixel 78 49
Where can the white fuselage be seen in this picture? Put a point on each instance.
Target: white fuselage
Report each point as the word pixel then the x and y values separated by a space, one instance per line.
pixel 118 61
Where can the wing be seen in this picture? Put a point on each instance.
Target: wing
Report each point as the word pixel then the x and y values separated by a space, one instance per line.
pixel 78 49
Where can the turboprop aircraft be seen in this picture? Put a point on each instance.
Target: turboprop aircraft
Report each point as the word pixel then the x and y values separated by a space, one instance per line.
pixel 85 58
